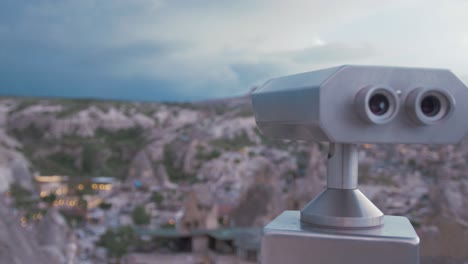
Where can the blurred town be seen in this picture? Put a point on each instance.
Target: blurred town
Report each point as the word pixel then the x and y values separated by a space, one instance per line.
pixel 86 181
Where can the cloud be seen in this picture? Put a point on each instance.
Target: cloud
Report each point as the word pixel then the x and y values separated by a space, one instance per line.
pixel 198 49
pixel 250 74
pixel 333 53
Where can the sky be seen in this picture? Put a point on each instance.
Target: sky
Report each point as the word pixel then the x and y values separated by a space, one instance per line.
pixel 184 50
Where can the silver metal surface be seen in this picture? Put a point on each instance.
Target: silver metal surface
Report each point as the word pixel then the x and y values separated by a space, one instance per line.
pixel 321 106
pixel 342 208
pixel 342 166
pixel 342 205
pixel 287 240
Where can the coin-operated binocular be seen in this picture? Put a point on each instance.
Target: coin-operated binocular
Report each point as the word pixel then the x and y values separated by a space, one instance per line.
pixel 345 106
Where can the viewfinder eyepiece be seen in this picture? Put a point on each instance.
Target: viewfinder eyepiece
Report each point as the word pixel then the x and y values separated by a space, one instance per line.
pixel 377 104
pixel 429 106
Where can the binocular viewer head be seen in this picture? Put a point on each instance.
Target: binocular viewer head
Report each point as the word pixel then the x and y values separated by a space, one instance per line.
pixel 364 104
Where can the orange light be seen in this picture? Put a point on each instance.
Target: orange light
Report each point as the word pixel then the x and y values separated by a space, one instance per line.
pixel 367 146
pixel 171 222
pixel 46 179
pixel 23 221
pixel 80 187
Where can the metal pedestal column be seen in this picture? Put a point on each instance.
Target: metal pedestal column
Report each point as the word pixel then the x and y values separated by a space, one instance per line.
pixel 340 225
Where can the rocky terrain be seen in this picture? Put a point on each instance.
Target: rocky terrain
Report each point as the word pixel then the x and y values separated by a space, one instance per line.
pixel 20 246
pixel 215 147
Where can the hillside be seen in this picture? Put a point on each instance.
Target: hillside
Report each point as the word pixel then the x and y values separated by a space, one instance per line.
pixel 216 146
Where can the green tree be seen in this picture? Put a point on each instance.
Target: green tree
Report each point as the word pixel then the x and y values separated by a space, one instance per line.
pixel 118 241
pixel 89 158
pixel 157 198
pixel 140 216
pixel 50 199
pixel 173 167
pixel 87 189
pixel 82 204
pixel 105 206
pixel 22 197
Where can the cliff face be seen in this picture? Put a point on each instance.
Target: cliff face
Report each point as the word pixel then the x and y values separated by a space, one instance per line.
pixel 14 167
pixel 18 245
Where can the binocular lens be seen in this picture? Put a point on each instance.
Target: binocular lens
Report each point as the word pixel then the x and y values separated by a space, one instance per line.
pixel 376 104
pixel 430 105
pixel 379 104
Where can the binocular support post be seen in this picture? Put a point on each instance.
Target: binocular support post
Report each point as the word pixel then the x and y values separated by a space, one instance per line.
pixel 342 205
pixel 340 225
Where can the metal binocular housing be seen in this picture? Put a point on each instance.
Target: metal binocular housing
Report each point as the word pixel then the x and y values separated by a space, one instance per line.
pixel 364 104
pixel 345 106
